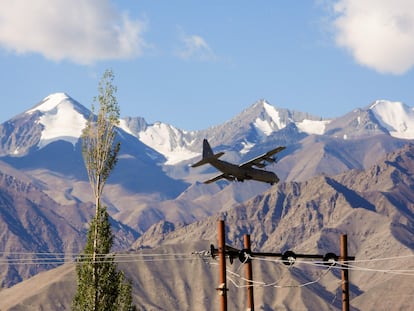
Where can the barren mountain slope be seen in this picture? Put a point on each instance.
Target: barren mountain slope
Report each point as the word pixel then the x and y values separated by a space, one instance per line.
pixel 374 208
pixel 35 228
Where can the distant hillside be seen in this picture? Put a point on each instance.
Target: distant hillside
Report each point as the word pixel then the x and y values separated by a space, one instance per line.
pixel 374 207
pixel 153 182
pixel 33 225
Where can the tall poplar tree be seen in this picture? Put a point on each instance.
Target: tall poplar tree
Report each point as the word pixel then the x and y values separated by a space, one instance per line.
pixel 100 285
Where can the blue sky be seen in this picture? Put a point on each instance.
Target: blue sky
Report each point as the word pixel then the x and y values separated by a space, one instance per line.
pixel 194 64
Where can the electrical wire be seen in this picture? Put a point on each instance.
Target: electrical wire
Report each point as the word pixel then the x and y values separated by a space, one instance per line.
pixel 60 258
pixel 55 258
pixel 337 265
pixel 406 272
pixel 286 271
pixel 83 254
pixel 345 265
pixel 274 284
pixel 383 258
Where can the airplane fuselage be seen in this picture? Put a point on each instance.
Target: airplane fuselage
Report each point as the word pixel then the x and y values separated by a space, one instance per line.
pixel 242 173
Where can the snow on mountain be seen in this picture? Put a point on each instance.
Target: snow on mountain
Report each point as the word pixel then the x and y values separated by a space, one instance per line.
pixel 60 119
pixel 263 118
pixel 312 126
pixel 247 146
pixel 396 117
pixel 171 142
pixel 124 126
pixel 272 119
pixel 268 119
pixel 267 125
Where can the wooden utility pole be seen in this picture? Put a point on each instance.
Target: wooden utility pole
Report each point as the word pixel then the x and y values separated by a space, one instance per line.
pixel 344 273
pixel 249 275
pixel 222 262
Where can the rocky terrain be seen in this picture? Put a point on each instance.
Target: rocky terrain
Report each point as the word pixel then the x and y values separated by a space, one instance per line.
pixel 352 175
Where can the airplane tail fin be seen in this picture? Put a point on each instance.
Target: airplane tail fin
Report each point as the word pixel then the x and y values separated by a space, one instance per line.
pixel 208 155
pixel 207 151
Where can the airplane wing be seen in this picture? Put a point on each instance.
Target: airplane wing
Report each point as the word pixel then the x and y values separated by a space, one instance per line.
pixel 258 161
pixel 218 177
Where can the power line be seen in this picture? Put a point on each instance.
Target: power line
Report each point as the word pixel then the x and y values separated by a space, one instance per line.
pixel 48 258
pixel 202 253
pixel 83 254
pixel 406 272
pixel 393 258
pixel 274 284
pixel 345 265
pixel 102 258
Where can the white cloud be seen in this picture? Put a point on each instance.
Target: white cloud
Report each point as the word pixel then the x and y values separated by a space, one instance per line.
pixel 195 47
pixel 83 31
pixel 378 33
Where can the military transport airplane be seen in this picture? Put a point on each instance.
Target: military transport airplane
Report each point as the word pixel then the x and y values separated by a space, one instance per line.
pixel 244 171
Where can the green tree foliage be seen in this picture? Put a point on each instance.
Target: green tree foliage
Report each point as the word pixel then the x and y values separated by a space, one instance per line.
pixel 98 148
pixel 100 285
pixel 109 290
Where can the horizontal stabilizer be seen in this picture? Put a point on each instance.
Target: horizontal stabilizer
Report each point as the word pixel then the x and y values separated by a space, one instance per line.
pixel 208 159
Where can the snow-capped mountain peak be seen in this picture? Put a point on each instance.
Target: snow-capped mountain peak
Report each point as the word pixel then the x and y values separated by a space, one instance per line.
pixel 269 120
pixel 396 117
pixel 166 139
pixel 61 117
pixel 50 102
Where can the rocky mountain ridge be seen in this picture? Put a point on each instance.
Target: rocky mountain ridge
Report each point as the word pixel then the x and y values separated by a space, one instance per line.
pixel 60 117
pixel 146 188
pixel 374 207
